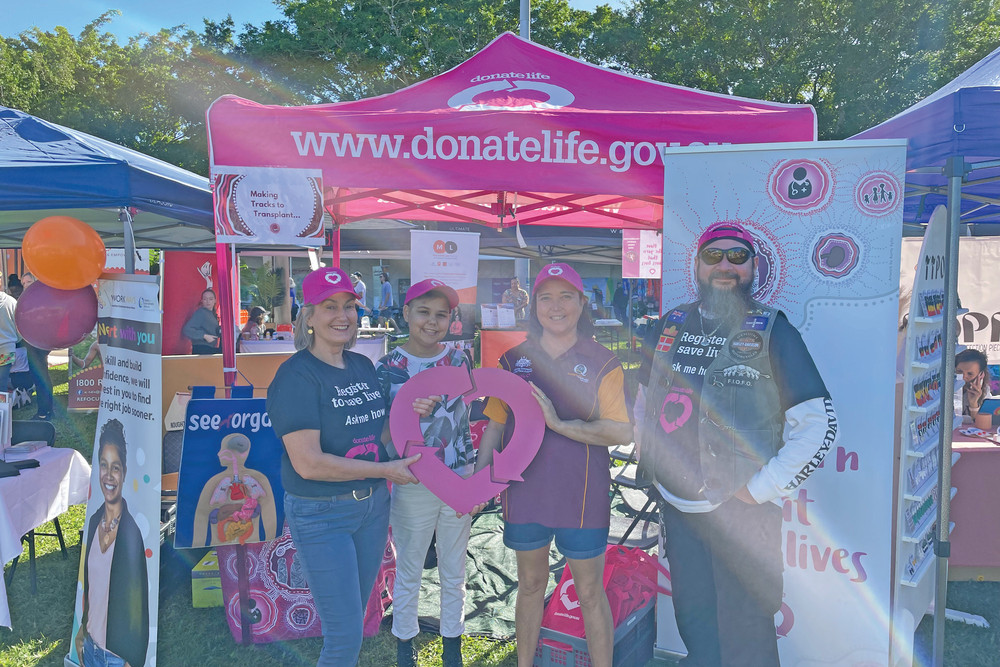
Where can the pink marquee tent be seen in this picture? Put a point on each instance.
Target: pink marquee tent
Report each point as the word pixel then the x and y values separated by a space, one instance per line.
pixel 517 132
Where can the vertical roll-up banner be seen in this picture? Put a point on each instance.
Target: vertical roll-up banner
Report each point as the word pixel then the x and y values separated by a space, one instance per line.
pixel 117 592
pixel 826 218
pixel 452 258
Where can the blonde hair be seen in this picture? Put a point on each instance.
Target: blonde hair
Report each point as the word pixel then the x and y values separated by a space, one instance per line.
pixel 303 339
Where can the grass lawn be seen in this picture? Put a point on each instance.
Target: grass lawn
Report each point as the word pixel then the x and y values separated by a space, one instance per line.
pixel 188 636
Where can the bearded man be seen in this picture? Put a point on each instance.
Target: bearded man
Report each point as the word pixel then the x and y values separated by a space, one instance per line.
pixel 731 415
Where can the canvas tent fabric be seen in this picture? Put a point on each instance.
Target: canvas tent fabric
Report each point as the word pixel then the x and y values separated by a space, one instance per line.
pixel 518 131
pixel 47 169
pixel 958 120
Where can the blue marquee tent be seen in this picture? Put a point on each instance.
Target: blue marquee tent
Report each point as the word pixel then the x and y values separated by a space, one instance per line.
pixel 960 120
pixel 47 169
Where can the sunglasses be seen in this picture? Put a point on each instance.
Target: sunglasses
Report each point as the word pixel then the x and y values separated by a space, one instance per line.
pixel 736 256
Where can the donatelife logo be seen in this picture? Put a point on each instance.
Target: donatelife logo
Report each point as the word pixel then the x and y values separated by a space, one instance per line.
pixel 511 91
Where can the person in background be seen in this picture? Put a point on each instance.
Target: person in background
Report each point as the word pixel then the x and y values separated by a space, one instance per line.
pixel 114 626
pixel 516 297
pixel 362 291
pixel 326 406
pixel 252 329
pixel 38 364
pixel 731 414
pixel 387 302
pixel 294 297
pixel 619 301
pixel 8 337
pixel 971 365
pixel 580 386
pixel 15 286
pixel 417 515
pixel 202 328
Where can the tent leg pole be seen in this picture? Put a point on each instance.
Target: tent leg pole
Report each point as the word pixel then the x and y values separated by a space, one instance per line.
pixel 954 171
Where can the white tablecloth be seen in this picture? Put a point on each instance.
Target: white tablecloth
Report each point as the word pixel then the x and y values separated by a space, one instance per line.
pixel 35 496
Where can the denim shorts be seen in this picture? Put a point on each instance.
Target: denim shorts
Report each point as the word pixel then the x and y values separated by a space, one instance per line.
pixel 576 543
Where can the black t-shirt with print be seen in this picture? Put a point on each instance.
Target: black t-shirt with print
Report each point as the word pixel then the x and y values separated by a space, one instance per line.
pixel 346 406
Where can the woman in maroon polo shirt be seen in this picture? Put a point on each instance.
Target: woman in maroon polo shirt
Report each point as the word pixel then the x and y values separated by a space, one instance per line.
pixel 579 385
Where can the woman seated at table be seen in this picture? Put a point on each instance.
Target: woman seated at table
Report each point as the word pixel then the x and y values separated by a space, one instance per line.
pixel 114 626
pixel 252 329
pixel 971 365
pixel 579 385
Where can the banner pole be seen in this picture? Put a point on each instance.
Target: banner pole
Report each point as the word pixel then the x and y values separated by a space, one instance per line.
pixel 954 172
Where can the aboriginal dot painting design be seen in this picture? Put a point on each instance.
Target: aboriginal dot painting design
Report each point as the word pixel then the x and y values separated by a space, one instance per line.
pixel 878 193
pixel 801 186
pixel 835 255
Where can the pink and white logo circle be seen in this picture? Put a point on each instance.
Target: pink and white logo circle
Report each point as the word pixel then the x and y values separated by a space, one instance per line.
pixel 836 255
pixel 878 193
pixel 800 186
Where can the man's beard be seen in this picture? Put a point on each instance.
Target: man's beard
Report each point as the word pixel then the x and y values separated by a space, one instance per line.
pixel 727 305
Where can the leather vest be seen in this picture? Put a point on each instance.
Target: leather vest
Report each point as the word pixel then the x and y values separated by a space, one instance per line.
pixel 740 421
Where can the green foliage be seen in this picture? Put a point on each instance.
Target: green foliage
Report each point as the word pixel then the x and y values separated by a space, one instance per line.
pixel 857 62
pixel 264 285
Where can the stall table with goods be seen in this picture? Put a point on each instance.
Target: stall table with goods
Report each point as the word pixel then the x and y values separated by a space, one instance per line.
pixel 975 547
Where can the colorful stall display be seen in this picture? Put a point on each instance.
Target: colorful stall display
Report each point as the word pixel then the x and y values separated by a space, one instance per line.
pixel 826 220
pixel 120 555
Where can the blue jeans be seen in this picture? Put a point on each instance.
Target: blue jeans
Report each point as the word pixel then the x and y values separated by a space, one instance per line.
pixel 340 543
pixel 95 656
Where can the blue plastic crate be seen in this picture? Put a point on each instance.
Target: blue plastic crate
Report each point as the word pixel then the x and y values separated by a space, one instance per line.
pixel 633 643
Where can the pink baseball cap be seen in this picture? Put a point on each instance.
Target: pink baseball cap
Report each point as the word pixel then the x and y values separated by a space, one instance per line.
pixel 321 284
pixel 560 271
pixel 725 230
pixel 431 285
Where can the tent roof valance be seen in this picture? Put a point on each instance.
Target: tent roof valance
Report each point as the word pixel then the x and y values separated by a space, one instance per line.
pixel 517 132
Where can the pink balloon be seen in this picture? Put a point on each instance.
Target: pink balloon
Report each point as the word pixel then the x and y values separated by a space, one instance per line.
pixel 51 318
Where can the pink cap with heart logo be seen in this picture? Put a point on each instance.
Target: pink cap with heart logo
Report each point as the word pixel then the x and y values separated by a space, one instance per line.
pixel 321 284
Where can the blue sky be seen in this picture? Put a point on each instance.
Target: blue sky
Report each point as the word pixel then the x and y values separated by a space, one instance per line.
pixel 149 15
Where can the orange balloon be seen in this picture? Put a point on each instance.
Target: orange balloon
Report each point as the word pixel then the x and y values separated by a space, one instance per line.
pixel 63 252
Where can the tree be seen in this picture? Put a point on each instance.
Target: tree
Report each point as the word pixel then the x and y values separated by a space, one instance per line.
pixel 857 62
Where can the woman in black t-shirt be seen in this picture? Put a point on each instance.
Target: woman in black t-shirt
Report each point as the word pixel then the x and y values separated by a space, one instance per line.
pixel 327 408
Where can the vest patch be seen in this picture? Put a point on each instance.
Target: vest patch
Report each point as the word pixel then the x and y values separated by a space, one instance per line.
pixel 755 322
pixel 667 339
pixel 677 316
pixel 746 345
pixel 737 375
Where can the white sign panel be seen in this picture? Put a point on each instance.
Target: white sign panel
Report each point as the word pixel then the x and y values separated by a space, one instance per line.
pixel 826 218
pixel 280 206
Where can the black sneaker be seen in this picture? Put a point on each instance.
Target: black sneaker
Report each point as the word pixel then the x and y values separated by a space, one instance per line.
pixel 452 654
pixel 406 654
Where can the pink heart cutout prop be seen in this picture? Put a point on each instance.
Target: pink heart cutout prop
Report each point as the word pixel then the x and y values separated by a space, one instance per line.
pixel 463 494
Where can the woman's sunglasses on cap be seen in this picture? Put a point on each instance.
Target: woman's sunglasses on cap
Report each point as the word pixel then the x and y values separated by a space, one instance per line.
pixel 736 256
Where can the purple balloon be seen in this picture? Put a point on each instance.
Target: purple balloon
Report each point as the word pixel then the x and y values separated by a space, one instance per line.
pixel 51 318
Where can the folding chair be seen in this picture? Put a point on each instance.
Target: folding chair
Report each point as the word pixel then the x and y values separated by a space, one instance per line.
pixel 639 497
pixel 26 431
